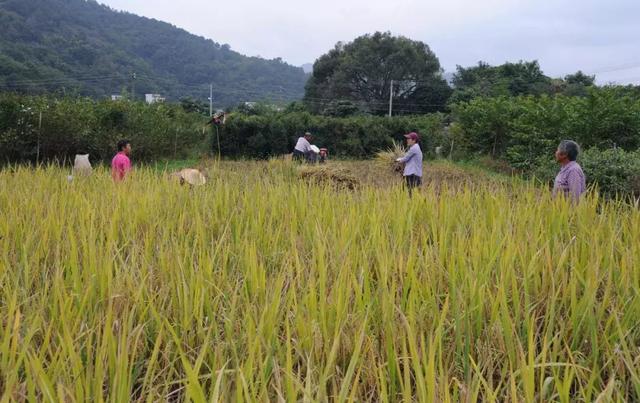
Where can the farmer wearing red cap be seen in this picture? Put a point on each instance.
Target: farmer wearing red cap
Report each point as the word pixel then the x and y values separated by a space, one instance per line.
pixel 412 161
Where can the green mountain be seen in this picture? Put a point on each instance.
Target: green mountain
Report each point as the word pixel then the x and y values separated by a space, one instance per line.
pixel 83 47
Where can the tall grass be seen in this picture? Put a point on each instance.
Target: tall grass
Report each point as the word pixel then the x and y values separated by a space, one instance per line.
pixel 259 286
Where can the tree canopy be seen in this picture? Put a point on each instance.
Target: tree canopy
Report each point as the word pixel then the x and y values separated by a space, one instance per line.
pixel 362 72
pixel 514 79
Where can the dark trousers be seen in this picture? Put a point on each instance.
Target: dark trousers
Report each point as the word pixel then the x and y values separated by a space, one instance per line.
pixel 298 155
pixel 412 181
pixel 309 157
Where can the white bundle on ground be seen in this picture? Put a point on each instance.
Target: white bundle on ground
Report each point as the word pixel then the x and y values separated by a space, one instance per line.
pixel 82 166
pixel 191 176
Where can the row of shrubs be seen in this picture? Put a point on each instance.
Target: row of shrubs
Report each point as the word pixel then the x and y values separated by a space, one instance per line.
pixel 525 131
pixel 43 128
pixel 261 136
pixel 47 128
pixel 521 129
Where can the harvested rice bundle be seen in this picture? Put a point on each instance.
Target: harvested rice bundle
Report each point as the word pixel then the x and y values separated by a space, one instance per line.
pixel 386 159
pixel 329 174
pixel 189 176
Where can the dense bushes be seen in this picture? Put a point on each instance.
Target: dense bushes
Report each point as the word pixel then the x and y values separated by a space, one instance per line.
pixel 521 129
pixel 614 171
pixel 525 131
pixel 73 125
pixel 81 125
pixel 359 136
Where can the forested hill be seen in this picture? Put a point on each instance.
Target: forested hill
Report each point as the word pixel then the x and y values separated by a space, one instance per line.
pixel 83 47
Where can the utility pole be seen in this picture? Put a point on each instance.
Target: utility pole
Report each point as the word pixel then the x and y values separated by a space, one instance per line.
pixel 211 116
pixel 390 98
pixel 210 100
pixel 175 144
pixel 39 134
pixel 133 86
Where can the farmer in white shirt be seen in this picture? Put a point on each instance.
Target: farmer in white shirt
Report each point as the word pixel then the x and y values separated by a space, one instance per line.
pixel 412 161
pixel 303 148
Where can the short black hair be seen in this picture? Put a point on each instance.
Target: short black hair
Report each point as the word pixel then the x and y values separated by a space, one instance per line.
pixel 122 144
pixel 569 148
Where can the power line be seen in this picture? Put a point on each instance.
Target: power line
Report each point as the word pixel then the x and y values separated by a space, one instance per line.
pixel 403 108
pixel 268 96
pixel 75 79
pixel 274 93
pixel 378 103
pixel 271 91
pixel 80 77
pixel 637 78
pixel 620 67
pixel 55 82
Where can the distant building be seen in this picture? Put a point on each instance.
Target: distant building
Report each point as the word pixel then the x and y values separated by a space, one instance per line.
pixel 117 97
pixel 153 98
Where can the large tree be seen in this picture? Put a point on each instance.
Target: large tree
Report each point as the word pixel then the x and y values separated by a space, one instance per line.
pixel 362 72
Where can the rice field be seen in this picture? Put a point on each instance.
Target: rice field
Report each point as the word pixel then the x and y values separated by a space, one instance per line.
pixel 262 286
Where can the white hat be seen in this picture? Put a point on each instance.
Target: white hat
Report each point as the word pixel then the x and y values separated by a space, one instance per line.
pixel 81 165
pixel 191 176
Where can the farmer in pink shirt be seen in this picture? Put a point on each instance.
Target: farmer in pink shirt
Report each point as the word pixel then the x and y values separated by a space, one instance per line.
pixel 121 164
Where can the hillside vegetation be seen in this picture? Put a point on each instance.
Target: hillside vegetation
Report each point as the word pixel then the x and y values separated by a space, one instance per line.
pixel 86 48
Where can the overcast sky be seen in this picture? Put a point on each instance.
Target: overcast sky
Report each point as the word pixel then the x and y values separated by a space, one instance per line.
pixel 600 37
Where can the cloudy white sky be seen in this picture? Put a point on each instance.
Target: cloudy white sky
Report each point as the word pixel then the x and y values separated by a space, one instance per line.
pixel 600 37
